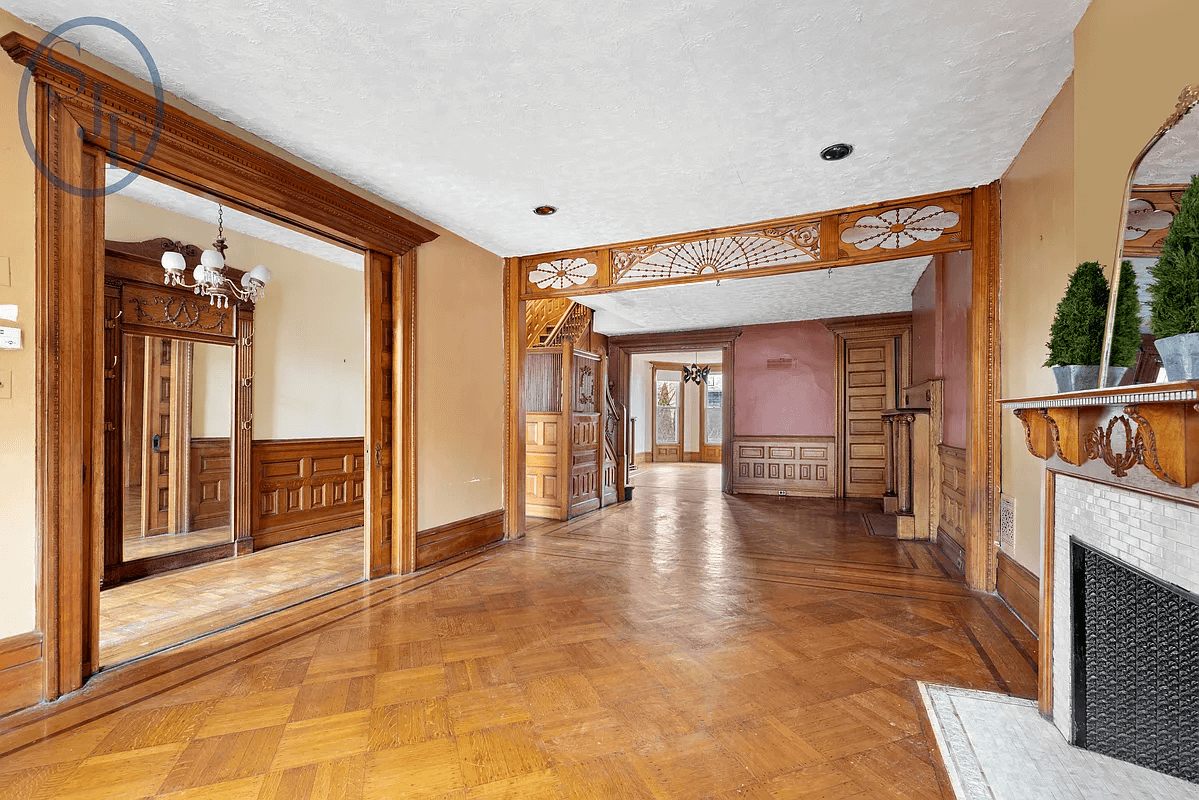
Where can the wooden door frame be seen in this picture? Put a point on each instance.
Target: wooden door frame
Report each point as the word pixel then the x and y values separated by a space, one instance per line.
pixel 849 329
pixel 71 98
pixel 703 416
pixel 655 367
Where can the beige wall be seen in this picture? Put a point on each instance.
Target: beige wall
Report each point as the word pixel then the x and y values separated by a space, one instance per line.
pixel 309 335
pixel 1037 257
pixel 459 327
pixel 459 380
pixel 18 568
pixel 1063 194
pixel 212 391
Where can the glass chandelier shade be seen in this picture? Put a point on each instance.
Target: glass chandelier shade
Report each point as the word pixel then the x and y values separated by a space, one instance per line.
pixel 208 279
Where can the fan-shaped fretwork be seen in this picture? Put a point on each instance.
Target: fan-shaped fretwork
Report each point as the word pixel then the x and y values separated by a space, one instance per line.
pixel 742 251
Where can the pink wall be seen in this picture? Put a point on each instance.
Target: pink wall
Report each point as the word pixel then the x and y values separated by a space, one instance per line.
pixel 955 325
pixel 940 309
pixel 800 401
pixel 926 342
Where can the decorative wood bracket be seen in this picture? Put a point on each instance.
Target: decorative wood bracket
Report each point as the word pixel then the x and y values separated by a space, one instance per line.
pixel 1158 428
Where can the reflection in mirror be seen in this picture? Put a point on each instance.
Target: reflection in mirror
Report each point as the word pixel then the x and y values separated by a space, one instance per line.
pixel 1158 181
pixel 176 400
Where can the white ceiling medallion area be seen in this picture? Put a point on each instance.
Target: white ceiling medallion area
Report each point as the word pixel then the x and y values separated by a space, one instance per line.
pixel 634 119
pixel 151 192
pixel 819 294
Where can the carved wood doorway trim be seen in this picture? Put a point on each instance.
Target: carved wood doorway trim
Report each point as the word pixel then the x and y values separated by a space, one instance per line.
pixel 71 99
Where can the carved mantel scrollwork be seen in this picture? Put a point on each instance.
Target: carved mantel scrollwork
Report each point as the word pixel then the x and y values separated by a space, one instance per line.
pixel 1157 428
pixel 1102 443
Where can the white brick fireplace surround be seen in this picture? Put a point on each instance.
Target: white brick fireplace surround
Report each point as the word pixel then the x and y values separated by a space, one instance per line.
pixel 1154 534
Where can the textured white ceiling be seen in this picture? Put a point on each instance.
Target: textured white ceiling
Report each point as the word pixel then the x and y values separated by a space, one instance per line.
pixel 1175 159
pixel 157 194
pixel 842 292
pixel 634 118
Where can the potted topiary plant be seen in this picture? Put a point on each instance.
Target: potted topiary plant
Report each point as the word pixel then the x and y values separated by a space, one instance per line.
pixel 1174 314
pixel 1126 332
pixel 1076 336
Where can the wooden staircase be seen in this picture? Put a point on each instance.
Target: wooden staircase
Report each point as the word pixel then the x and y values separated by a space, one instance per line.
pixel 542 317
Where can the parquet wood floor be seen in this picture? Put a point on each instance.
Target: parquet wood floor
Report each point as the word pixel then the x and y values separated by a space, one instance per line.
pixel 146 615
pixel 686 645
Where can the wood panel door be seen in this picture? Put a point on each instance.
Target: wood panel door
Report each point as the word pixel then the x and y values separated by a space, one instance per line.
pixel 156 437
pixel 870 386
pixel 585 434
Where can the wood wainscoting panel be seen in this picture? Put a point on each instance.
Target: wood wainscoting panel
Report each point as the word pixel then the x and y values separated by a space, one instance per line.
pixel 455 538
pixel 797 465
pixel 20 671
pixel 543 488
pixel 951 526
pixel 210 473
pixel 306 487
pixel 1020 589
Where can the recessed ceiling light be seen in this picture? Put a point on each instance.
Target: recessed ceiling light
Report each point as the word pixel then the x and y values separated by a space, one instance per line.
pixel 836 152
pixel 545 211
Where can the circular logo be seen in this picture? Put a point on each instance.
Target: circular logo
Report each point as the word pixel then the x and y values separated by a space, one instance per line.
pixel 106 125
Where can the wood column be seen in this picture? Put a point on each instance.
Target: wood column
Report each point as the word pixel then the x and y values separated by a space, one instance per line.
pixel 566 434
pixel 242 437
pixel 982 452
pixel 514 389
pixel 903 462
pixel 889 454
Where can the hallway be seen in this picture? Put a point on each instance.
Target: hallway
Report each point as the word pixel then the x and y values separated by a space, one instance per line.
pixel 689 644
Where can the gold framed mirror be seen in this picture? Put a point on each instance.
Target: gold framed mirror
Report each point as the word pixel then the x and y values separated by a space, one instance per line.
pixel 1157 180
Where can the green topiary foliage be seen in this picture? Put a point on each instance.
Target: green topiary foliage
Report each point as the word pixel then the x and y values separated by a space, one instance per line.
pixel 1126 335
pixel 1076 336
pixel 1175 306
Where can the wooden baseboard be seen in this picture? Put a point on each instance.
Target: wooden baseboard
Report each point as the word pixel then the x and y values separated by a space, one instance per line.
pixel 1020 589
pixel 20 671
pixel 446 541
pixel 641 458
pixel 952 549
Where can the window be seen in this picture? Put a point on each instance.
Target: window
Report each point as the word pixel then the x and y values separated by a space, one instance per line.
pixel 713 419
pixel 666 411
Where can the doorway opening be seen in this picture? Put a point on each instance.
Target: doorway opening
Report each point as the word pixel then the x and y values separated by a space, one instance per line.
pixel 210 409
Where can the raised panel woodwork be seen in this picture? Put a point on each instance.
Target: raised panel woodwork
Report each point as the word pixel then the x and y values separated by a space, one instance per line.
pixel 306 487
pixel 869 388
pixel 796 465
pixel 455 538
pixel 584 459
pixel 210 474
pixel 952 484
pixel 542 496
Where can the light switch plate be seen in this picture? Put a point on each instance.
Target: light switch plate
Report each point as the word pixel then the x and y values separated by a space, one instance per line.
pixel 5 384
pixel 10 339
pixel 5 272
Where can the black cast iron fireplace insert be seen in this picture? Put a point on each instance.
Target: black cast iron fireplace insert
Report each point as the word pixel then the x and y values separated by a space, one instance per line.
pixel 1136 665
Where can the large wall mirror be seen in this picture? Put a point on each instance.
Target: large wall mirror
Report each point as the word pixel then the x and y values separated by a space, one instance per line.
pixel 175 400
pixel 177 407
pixel 1160 241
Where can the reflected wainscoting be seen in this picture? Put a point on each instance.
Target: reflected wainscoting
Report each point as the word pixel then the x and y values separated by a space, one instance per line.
pixel 795 465
pixel 953 511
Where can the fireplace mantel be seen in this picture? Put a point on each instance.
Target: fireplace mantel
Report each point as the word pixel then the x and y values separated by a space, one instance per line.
pixel 1156 426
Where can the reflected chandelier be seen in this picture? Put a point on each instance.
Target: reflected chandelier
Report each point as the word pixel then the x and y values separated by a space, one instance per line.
pixel 209 279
